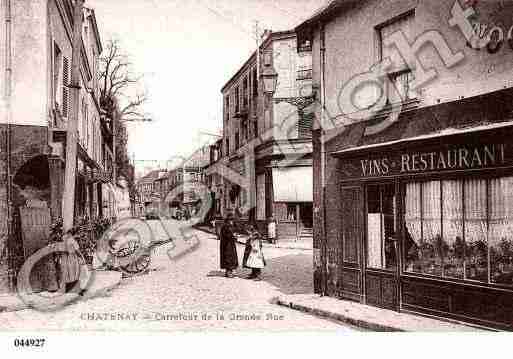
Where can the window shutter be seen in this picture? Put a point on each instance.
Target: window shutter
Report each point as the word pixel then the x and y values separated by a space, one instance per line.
pixel 305 125
pixel 65 88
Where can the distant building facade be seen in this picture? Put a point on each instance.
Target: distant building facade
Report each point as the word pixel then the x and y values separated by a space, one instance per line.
pixel 276 133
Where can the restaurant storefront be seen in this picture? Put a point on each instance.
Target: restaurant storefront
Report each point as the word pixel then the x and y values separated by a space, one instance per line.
pixel 426 213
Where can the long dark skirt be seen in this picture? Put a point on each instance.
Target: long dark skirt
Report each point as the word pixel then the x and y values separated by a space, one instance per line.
pixel 228 250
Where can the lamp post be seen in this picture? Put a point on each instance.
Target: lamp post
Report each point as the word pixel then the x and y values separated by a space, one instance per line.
pixel 270 80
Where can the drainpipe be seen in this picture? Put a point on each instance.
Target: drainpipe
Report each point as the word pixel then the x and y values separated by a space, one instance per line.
pixel 324 244
pixel 68 197
pixel 8 115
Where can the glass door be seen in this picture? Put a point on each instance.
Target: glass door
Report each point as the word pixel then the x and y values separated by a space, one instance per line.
pixel 381 247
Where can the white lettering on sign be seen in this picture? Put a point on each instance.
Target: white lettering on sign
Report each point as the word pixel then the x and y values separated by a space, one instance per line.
pixel 453 159
pixel 461 158
pixel 372 168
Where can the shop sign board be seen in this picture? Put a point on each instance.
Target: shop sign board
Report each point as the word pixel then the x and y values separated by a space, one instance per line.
pixel 433 159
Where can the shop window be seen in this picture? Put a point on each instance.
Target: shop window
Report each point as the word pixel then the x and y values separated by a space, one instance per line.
pixel 461 229
pixel 291 213
pixel 381 227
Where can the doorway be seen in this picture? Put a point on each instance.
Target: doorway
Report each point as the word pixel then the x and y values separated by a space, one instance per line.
pixel 306 215
pixel 381 245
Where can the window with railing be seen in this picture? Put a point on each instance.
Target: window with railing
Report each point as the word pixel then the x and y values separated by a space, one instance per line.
pixel 227 108
pixel 245 132
pixel 305 74
pixel 397 87
pixel 255 127
pixel 237 100
pixel 245 88
pixel 305 124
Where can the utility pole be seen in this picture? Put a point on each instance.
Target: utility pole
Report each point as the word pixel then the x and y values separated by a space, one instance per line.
pixel 68 200
pixel 251 151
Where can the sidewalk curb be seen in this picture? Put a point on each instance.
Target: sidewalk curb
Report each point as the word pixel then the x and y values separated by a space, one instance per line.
pixel 264 244
pixel 336 316
pixel 71 297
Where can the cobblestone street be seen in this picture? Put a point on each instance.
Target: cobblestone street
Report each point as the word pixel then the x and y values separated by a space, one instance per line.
pixel 185 290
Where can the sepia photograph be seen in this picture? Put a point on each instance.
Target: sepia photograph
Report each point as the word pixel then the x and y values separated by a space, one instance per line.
pixel 259 166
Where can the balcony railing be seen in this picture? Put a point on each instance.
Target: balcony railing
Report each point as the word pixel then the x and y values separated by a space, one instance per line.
pixel 304 75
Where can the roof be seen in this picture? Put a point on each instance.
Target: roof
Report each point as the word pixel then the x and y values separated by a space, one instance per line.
pixel 95 29
pixel 151 176
pixel 271 37
pixel 200 158
pixel 327 9
pixel 439 134
pixel 485 112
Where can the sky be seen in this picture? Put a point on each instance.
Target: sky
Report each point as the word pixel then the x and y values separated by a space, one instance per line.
pixel 187 50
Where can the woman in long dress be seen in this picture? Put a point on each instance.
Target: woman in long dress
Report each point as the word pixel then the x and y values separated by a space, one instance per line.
pixel 228 250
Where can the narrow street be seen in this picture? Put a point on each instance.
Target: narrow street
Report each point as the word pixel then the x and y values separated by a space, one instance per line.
pixel 185 290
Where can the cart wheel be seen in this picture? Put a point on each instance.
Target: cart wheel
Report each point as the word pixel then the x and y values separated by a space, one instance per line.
pixel 140 265
pixel 129 249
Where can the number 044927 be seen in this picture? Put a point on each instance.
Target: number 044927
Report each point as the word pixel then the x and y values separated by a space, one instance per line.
pixel 29 342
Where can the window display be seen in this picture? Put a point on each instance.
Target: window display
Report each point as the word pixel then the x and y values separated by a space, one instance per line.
pixel 501 230
pixel 460 229
pixel 291 212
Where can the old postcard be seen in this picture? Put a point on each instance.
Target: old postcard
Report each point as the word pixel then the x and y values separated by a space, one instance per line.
pixel 268 166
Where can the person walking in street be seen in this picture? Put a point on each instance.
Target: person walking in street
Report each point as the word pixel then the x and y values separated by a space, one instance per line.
pixel 228 249
pixel 253 255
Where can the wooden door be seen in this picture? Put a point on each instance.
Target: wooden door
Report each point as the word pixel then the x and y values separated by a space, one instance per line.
pixel 35 227
pixel 351 243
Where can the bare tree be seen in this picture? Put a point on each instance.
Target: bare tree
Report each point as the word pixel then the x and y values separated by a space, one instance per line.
pixel 119 86
pixel 121 97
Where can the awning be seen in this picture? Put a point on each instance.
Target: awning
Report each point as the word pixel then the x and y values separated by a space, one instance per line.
pixel 440 134
pixel 293 184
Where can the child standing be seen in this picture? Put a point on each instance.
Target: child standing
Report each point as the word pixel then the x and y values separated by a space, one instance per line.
pixel 253 255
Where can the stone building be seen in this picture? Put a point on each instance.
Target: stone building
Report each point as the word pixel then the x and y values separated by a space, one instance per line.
pixel 36 46
pixel 267 164
pixel 147 189
pixel 414 198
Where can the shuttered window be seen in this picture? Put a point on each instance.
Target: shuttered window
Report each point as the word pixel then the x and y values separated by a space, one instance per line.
pixel 83 138
pixel 305 125
pixel 65 88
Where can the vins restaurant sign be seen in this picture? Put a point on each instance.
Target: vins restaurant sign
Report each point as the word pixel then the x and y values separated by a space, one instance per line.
pixel 457 158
